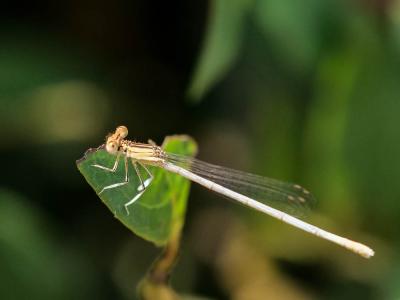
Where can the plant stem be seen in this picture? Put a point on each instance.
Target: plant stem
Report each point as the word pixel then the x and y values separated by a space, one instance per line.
pixel 156 283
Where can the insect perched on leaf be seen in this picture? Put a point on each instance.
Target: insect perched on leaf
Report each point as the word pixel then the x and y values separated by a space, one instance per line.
pixel 251 190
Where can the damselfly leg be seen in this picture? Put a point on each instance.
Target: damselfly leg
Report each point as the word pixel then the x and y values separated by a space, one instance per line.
pixel 147 182
pixel 143 183
pixel 114 168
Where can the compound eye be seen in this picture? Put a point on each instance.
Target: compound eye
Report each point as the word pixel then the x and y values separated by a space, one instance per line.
pixel 111 147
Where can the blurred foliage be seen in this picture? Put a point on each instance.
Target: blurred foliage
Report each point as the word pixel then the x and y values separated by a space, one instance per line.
pixel 305 93
pixel 221 46
pixel 35 263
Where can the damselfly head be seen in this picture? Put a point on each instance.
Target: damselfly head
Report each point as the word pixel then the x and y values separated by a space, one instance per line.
pixel 113 141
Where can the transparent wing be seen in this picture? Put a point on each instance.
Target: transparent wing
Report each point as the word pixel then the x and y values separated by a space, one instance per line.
pixel 288 197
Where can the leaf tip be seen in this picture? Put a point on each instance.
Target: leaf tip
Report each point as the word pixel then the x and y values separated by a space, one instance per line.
pixel 89 152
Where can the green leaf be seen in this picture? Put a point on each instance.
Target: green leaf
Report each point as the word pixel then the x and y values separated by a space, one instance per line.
pixel 155 215
pixel 221 45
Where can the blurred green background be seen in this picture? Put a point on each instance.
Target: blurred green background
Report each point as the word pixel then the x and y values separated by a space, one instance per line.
pixel 302 91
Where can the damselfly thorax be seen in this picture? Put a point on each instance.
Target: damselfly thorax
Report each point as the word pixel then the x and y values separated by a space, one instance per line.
pixel 145 153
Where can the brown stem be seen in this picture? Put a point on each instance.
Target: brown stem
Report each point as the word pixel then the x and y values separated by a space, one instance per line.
pixel 161 269
pixel 156 283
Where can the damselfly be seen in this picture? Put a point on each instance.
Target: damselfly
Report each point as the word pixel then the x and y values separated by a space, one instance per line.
pixel 248 189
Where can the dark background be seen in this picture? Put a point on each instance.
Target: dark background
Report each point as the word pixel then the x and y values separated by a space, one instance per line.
pixel 305 91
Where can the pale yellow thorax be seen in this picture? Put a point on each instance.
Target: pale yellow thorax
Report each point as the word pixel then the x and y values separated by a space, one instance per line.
pixel 145 153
